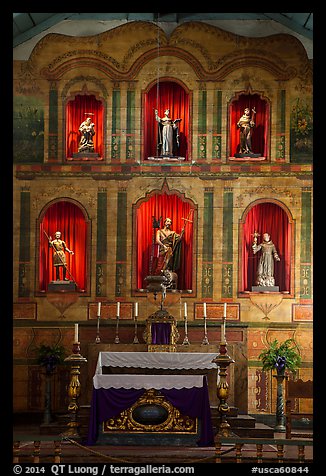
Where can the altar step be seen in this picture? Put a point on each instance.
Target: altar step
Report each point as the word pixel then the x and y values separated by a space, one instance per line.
pixel 243 425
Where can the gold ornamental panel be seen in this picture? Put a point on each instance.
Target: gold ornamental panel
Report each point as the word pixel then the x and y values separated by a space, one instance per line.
pixel 174 422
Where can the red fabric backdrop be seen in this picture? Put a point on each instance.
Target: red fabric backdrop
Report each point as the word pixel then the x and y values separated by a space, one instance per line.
pixel 68 218
pixel 259 132
pixel 168 95
pixel 166 206
pixel 272 219
pixel 75 115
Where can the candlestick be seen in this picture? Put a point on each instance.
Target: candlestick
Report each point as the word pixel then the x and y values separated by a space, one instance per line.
pixel 204 305
pixel 223 339
pixel 98 309
pixel 118 309
pixel 136 341
pixel 76 333
pixel 224 313
pixel 136 309
pixel 185 340
pixel 117 340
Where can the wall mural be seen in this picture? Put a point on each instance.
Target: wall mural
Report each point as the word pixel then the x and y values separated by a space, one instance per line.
pixel 28 129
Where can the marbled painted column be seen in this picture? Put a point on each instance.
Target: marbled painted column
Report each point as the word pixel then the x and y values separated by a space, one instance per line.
pixel 305 240
pixel 280 127
pixel 116 125
pixel 53 124
pixel 227 247
pixel 207 265
pixel 217 125
pixel 202 127
pixel 121 250
pixel 24 244
pixel 130 137
pixel 101 243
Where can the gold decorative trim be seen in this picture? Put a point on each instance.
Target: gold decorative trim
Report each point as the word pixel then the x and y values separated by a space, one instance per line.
pixel 174 423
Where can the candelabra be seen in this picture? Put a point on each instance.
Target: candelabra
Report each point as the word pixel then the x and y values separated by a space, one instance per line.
pixel 223 360
pixel 75 360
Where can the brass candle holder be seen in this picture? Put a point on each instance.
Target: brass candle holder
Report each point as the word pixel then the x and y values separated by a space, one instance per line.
pixel 135 341
pixel 117 339
pixel 74 388
pixel 223 360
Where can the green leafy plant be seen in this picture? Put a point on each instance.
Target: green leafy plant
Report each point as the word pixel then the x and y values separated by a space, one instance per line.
pixel 281 356
pixel 50 356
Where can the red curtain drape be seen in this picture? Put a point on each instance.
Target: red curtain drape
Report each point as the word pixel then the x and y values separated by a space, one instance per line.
pixel 67 218
pixel 165 206
pixel 75 115
pixel 168 95
pixel 267 218
pixel 259 133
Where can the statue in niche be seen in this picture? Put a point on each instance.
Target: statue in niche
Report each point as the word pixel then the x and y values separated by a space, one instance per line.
pixel 265 269
pixel 168 134
pixel 246 124
pixel 59 257
pixel 87 130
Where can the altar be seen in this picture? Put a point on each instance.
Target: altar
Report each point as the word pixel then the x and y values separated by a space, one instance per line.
pixel 151 408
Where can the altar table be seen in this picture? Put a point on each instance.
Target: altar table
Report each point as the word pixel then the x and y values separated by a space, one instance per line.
pixel 113 393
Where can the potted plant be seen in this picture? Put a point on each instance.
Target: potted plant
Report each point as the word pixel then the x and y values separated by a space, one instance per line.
pixel 49 357
pixel 281 357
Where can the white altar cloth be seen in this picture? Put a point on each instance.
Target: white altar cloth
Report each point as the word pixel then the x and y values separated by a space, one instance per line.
pixel 147 381
pixel 156 360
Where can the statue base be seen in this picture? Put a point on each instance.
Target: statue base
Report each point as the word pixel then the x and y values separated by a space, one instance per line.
pixel 249 155
pixel 265 289
pixel 86 155
pixel 166 157
pixel 61 286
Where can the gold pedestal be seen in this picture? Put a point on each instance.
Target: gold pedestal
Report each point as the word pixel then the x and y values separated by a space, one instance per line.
pixel 75 360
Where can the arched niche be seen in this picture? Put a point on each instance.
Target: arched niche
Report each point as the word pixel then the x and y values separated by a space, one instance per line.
pixel 260 133
pixel 166 94
pixel 272 217
pixel 163 204
pixel 77 108
pixel 69 217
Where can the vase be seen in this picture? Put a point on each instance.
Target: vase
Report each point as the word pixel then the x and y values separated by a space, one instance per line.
pixel 280 417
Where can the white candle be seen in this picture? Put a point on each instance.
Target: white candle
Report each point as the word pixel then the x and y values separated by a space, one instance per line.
pixel 205 315
pixel 136 309
pixel 224 314
pixel 223 332
pixel 98 309
pixel 118 308
pixel 185 306
pixel 76 332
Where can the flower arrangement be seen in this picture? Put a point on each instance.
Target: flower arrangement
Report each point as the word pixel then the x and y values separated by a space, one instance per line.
pixel 50 356
pixel 281 356
pixel 302 125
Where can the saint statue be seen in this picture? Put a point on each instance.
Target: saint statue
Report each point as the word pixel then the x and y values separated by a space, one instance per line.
pixel 87 131
pixel 265 269
pixel 168 134
pixel 59 257
pixel 169 245
pixel 246 124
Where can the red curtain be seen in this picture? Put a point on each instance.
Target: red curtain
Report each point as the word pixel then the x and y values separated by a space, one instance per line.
pixel 272 219
pixel 75 115
pixel 168 95
pixel 165 206
pixel 259 133
pixel 67 218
